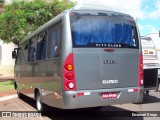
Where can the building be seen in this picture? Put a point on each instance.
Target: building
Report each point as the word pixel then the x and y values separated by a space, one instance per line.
pixel 6 61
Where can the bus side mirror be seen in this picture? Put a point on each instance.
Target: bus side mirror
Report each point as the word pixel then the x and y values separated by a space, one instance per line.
pixel 14 54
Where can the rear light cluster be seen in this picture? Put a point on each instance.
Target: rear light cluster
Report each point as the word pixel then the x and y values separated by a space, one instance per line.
pixel 140 79
pixel 68 73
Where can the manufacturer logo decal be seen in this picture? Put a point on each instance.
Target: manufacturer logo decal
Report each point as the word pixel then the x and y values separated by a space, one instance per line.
pixel 109 45
pixel 109 62
pixel 109 81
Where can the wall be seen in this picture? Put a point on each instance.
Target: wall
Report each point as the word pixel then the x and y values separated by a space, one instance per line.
pixel 6 61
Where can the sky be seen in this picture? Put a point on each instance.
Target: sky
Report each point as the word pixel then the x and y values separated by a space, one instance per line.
pixel 146 12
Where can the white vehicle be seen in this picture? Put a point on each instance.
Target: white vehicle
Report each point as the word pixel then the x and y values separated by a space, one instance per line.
pixel 150 63
pixel 156 39
pixel 150 59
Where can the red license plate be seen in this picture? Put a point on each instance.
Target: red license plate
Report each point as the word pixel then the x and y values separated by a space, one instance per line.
pixel 109 95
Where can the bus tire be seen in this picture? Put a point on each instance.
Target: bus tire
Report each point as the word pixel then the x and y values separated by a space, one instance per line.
pixel 15 85
pixel 39 105
pixel 19 94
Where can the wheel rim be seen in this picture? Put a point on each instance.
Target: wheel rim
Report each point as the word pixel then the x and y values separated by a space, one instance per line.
pixel 39 104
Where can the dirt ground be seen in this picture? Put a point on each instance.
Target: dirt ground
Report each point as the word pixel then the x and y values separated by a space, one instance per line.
pixel 7 93
pixel 5 78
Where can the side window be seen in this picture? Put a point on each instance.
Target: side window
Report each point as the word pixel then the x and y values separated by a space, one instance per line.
pixel 133 42
pixel 19 56
pixel 31 50
pixel 54 41
pixel 41 46
pixel 25 52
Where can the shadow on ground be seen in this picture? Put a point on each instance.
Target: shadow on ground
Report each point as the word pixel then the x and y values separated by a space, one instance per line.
pixel 107 112
pixel 150 99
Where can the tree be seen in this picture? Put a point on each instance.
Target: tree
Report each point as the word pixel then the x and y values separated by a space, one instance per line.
pixel 21 17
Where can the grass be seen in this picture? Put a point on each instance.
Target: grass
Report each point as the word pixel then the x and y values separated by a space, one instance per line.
pixel 6 85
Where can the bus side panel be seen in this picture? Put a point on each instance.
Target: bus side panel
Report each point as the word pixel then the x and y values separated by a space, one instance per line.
pixel 51 84
pixel 16 77
pixel 23 79
pixel 44 75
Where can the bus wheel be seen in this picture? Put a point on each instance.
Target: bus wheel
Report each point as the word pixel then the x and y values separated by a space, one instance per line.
pixel 19 94
pixel 39 105
pixel 16 88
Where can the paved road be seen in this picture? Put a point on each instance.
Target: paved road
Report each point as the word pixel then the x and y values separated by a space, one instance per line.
pixel 151 103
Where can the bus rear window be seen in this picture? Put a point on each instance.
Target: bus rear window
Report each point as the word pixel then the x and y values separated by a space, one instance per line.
pixel 102 31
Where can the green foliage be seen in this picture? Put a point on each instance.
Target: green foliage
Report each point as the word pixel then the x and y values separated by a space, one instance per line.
pixel 22 17
pixel 2 1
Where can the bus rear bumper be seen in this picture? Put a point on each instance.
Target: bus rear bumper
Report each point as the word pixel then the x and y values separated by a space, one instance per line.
pixel 93 98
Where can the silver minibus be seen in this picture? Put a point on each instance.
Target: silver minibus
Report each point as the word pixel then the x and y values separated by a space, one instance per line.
pixel 81 58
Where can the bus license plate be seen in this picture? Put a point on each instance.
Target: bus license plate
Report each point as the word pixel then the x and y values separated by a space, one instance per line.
pixel 109 95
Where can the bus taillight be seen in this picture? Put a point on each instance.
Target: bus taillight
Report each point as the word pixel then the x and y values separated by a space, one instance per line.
pixel 68 73
pixel 68 67
pixel 70 85
pixel 69 76
pixel 140 81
